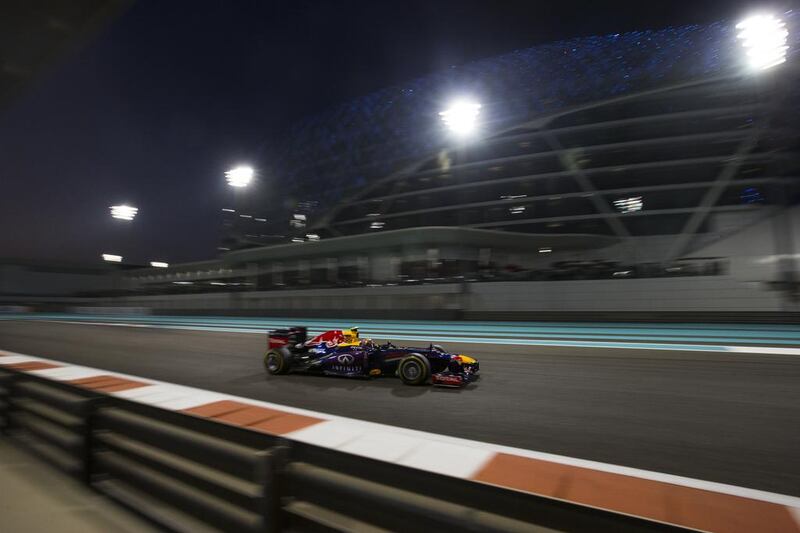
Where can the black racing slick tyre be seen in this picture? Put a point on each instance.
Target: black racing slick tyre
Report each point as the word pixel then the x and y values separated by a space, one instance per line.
pixel 414 370
pixel 277 361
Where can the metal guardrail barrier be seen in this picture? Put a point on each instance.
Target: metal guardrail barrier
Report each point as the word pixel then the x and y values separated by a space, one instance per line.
pixel 431 513
pixel 222 484
pixel 5 393
pixel 52 422
pixel 190 474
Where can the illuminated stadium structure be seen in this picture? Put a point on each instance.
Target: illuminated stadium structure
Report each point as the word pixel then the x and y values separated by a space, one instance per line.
pixel 645 154
pixel 644 133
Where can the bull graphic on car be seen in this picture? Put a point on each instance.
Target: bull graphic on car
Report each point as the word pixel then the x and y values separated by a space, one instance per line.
pixel 341 352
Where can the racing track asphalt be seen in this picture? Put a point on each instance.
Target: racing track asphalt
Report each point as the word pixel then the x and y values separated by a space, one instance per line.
pixel 726 417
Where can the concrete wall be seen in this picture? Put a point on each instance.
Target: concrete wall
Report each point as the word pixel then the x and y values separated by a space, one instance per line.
pixel 755 251
pixel 690 294
pixel 430 297
pixel 685 294
pixel 110 310
pixel 19 279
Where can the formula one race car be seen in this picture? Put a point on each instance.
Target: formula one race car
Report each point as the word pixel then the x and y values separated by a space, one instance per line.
pixel 343 353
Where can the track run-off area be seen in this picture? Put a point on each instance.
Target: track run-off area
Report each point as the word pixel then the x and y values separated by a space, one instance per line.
pixel 709 401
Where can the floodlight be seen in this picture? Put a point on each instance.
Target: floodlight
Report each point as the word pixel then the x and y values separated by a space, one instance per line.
pixel 629 205
pixel 239 176
pixel 111 258
pixel 764 38
pixel 158 264
pixel 461 117
pixel 123 212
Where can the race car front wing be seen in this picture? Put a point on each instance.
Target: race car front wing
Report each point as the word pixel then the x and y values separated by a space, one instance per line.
pixel 450 378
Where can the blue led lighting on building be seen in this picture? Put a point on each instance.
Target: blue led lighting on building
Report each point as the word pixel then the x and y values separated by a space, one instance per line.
pixel 325 158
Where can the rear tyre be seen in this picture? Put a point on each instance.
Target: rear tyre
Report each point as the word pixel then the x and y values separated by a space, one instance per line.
pixel 277 361
pixel 414 370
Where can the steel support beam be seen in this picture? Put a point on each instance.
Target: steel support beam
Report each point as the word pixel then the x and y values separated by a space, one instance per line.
pixel 586 186
pixel 729 170
pixel 539 198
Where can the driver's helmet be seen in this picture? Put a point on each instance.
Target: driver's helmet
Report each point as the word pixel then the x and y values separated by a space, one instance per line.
pixel 368 343
pixel 350 336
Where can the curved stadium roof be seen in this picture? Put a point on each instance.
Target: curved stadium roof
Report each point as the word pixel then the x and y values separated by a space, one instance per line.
pixel 338 159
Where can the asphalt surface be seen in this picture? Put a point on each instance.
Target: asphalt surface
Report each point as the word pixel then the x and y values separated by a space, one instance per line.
pixel 727 417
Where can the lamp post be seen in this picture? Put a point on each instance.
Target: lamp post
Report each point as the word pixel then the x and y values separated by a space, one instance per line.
pixel 238 178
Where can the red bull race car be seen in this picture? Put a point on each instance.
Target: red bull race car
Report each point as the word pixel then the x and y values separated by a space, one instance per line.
pixel 342 353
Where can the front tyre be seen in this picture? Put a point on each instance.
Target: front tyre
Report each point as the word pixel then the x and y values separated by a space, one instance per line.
pixel 277 361
pixel 414 370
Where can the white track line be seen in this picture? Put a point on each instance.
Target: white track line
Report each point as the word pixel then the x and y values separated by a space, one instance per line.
pixel 765 350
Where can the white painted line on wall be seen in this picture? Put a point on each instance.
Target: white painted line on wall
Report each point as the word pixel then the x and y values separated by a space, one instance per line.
pixel 16 359
pixel 765 350
pixel 69 373
pixel 447 458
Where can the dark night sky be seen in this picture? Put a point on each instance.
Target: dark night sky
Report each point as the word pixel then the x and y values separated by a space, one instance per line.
pixel 173 93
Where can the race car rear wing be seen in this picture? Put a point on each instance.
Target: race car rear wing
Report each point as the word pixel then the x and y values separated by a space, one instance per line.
pixel 289 337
